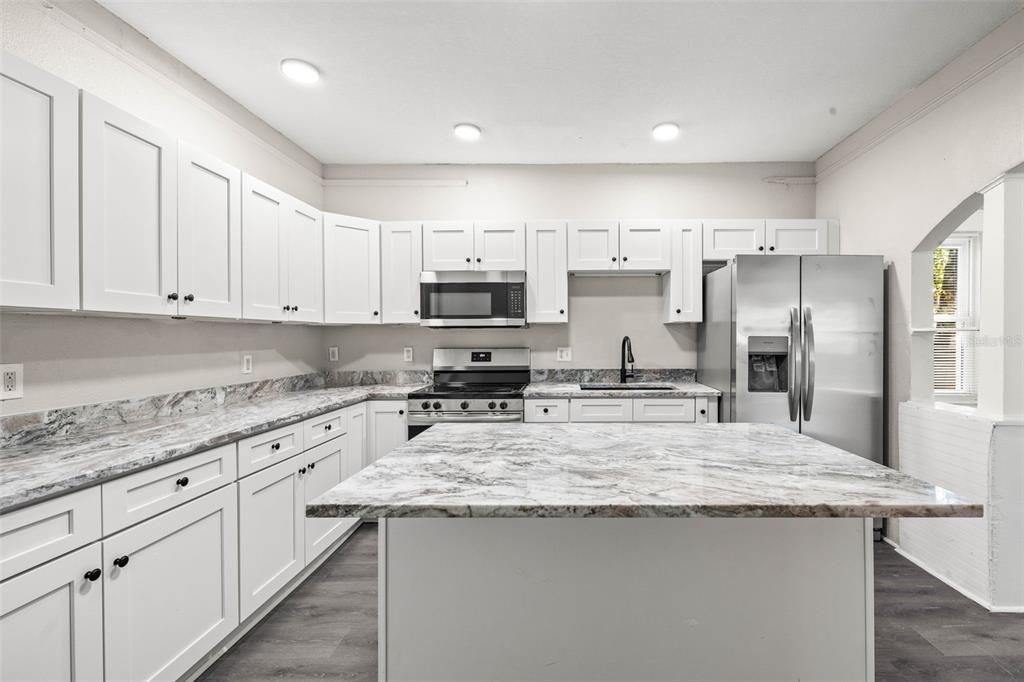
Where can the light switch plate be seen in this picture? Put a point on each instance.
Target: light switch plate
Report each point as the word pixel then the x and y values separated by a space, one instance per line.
pixel 246 364
pixel 563 355
pixel 407 354
pixel 332 354
pixel 13 382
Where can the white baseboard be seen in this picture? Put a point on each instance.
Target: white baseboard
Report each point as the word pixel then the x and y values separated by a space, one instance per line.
pixel 923 566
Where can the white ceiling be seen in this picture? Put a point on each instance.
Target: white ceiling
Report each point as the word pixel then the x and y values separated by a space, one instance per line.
pixel 567 82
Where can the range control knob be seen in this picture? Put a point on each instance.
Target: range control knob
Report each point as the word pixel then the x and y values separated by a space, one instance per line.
pixel 425 404
pixel 491 405
pixel 464 405
pixel 503 405
pixel 437 405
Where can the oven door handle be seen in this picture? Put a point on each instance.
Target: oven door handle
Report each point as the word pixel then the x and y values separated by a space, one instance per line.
pixel 452 418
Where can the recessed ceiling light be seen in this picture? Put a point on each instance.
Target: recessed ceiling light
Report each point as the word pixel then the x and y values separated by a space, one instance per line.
pixel 300 71
pixel 663 132
pixel 467 132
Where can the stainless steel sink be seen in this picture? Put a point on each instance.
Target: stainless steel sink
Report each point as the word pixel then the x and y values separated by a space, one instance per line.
pixel 638 386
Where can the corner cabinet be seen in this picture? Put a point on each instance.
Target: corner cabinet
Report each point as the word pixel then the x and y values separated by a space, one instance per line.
pixel 401 262
pixel 39 179
pixel 547 276
pixel 352 286
pixel 129 213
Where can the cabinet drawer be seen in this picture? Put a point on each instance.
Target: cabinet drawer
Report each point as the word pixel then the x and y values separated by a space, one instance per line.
pixel 324 428
pixel 137 497
pixel 33 535
pixel 601 410
pixel 663 409
pixel 259 452
pixel 553 410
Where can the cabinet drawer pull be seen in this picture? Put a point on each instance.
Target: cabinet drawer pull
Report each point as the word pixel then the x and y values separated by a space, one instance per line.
pixel 182 482
pixel 93 575
pixel 327 427
pixel 545 410
pixel 275 446
pixel 121 561
pixel 401 412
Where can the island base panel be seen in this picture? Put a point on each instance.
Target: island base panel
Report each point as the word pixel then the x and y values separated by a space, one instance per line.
pixel 626 599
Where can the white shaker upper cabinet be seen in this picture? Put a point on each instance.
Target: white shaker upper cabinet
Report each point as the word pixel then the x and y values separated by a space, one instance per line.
pixel 209 236
pixel 264 251
pixel 797 237
pixel 547 275
pixel 305 229
pixel 684 284
pixel 351 270
pixel 129 213
pixel 593 245
pixel 645 245
pixel 448 246
pixel 39 185
pixel 499 246
pixel 724 239
pixel 401 261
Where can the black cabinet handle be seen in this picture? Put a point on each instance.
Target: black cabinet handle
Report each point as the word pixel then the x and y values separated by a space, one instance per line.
pixel 416 312
pixel 302 470
pixel 376 313
pixel 401 412
pixel 275 446
pixel 679 311
pixel 771 248
pixel 469 260
pixel 190 297
pixel 613 259
pixel 545 410
pixel 328 427
pixel 182 482
pixel 295 308
pixel 703 411
pixel 173 296
pixel 287 308
pixel 760 248
pixel 93 575
pixel 311 465
pixel 624 259
pixel 561 311
pixel 121 561
pixel 477 260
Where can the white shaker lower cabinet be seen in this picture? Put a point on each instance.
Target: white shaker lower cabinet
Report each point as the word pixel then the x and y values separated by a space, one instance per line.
pixel 664 410
pixel 547 410
pixel 547 272
pixel 271 538
pixel 358 435
pixel 706 410
pixel 51 620
pixel 351 270
pixel 387 429
pixel 171 589
pixel 601 410
pixel 327 465
pixel 39 184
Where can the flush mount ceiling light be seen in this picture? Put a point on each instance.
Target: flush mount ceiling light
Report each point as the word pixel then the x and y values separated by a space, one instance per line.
pixel 663 132
pixel 466 132
pixel 300 71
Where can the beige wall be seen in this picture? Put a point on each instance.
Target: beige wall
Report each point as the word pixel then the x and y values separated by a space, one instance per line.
pixel 893 181
pixel 601 309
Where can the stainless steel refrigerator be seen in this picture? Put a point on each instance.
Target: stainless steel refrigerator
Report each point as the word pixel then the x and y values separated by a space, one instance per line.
pixel 798 341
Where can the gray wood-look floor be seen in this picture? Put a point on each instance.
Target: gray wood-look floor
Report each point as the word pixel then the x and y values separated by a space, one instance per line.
pixel 327 629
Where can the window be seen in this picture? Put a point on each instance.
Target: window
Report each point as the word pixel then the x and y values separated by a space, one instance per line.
pixel 955 308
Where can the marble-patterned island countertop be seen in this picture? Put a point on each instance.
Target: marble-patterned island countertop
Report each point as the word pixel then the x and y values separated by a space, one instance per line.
pixel 59 464
pixel 640 389
pixel 630 470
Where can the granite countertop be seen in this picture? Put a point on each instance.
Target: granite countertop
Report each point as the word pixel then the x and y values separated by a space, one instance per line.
pixel 630 470
pixel 681 389
pixel 61 464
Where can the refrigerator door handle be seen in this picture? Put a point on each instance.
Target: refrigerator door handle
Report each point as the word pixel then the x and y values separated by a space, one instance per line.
pixel 791 395
pixel 808 364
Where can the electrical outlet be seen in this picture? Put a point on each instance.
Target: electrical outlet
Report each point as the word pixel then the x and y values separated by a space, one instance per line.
pixel 246 364
pixel 407 354
pixel 12 385
pixel 563 354
pixel 332 354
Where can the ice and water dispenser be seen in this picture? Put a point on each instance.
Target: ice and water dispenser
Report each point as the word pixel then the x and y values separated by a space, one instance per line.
pixel 768 364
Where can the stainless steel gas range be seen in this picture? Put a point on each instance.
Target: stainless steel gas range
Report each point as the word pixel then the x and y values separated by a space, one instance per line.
pixel 471 385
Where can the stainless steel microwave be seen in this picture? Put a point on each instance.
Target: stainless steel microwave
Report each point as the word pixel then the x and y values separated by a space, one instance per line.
pixel 473 299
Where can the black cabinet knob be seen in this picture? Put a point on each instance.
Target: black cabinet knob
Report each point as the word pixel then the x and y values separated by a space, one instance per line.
pixel 275 446
pixel 121 561
pixel 491 405
pixel 415 312
pixel 312 465
pixel 401 412
pixel 190 297
pixel 613 259
pixel 464 405
pixel 376 313
pixel 477 260
pixel 425 404
pixel 771 248
pixel 328 427
pixel 437 405
pixel 287 308
pixel 469 260
pixel 703 411
pixel 679 311
pixel 624 259
pixel 760 248
pixel 173 296
pixel 302 470
pixel 182 482
pixel 93 575
pixel 561 311
pixel 545 410
pixel 295 308
pixel 503 405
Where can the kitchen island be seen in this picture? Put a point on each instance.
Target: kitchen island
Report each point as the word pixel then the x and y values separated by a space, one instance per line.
pixel 627 552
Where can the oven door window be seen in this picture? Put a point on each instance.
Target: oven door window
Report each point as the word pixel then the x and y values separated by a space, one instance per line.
pixel 465 301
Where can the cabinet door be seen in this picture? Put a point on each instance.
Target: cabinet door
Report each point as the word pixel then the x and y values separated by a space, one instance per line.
pixel 797 237
pixel 724 239
pixel 547 410
pixel 177 595
pixel 209 236
pixel 305 231
pixel 358 438
pixel 401 262
pixel 264 251
pixel 387 427
pixel 499 246
pixel 448 246
pixel 593 245
pixel 351 269
pixel 547 273
pixel 326 467
pixel 39 183
pixel 129 213
pixel 684 284
pixel 645 244
pixel 271 532
pixel 707 410
pixel 51 621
